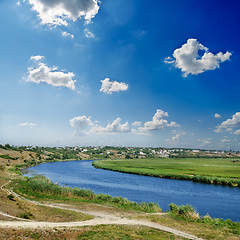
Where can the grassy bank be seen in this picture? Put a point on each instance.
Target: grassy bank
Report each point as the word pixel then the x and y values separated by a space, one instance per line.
pixel 206 170
pixel 41 188
pixel 185 218
pixel 104 232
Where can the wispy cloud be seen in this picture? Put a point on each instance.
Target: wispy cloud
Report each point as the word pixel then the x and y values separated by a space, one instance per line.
pixel 67 34
pixel 88 34
pixel 27 124
pixel 217 115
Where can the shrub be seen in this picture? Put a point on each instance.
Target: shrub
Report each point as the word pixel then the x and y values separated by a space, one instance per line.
pixel 103 197
pixel 25 215
pixel 184 211
pixel 173 208
pixel 11 197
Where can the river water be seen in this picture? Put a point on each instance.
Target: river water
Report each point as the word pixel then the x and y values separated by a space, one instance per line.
pixel 215 200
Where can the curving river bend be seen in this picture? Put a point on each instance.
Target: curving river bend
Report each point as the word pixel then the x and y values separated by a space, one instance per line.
pixel 217 201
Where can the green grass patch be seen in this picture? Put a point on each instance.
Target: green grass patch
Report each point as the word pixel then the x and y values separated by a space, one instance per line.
pixel 188 213
pixel 221 171
pixel 7 157
pixel 41 188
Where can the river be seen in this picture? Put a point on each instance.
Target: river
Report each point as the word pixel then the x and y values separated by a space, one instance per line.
pixel 215 200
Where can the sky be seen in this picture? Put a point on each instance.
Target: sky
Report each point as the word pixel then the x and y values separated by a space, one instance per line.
pixel 120 73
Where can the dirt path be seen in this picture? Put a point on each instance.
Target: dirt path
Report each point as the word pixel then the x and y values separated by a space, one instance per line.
pixel 101 218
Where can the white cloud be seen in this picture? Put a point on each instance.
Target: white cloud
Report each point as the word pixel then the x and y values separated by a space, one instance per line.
pixel 84 125
pixel 178 134
pixel 157 122
pixel 59 12
pixel 187 58
pixel 112 86
pixel 67 34
pixel 175 138
pixel 27 124
pixel 81 124
pixel 229 124
pixel 36 58
pixel 206 141
pixel 114 127
pixel 169 60
pixel 217 115
pixel 135 131
pixel 88 34
pixel 225 140
pixel 137 124
pixel 237 132
pixel 50 75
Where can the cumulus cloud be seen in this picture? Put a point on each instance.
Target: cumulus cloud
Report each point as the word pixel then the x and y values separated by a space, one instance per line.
pixel 177 135
pixel 50 75
pixel 112 86
pixel 81 124
pixel 88 34
pixel 114 127
pixel 157 122
pixel 217 115
pixel 59 12
pixel 27 124
pixel 67 34
pixel 137 124
pixel 84 125
pixel 229 124
pixel 187 58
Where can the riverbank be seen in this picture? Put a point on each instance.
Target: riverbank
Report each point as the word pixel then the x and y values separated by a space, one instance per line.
pixel 211 171
pixel 16 206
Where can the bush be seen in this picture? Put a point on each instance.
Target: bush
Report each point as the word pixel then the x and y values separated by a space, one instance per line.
pixel 185 211
pixel 173 208
pixel 25 215
pixel 11 197
pixel 103 197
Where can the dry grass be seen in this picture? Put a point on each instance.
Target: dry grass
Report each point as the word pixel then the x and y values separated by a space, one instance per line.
pixel 200 230
pixel 104 232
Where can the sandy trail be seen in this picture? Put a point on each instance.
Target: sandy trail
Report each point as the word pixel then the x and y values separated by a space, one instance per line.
pixel 101 218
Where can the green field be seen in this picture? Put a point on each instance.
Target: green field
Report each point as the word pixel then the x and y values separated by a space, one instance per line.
pixel 209 170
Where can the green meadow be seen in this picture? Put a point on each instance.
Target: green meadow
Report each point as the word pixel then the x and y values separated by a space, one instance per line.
pixel 224 171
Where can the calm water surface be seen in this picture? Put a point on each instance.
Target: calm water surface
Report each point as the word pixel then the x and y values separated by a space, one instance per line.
pixel 218 201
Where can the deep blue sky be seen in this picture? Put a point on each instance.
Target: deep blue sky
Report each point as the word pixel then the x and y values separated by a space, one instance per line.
pixel 127 42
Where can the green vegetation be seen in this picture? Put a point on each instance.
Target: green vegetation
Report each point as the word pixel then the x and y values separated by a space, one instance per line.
pixel 11 197
pixel 41 188
pixel 7 157
pixel 213 171
pixel 188 213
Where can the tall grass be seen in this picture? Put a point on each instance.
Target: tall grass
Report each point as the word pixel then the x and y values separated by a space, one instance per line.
pixel 189 214
pixel 42 188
